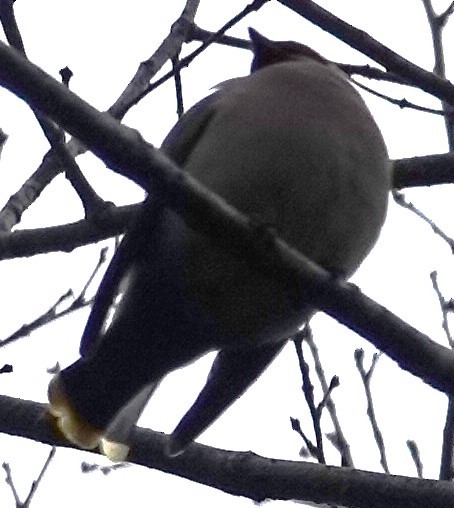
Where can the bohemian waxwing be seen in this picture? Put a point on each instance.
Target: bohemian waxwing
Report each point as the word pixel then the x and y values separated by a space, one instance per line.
pixel 293 145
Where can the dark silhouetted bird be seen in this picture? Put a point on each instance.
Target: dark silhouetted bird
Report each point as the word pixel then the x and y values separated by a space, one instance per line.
pixel 292 145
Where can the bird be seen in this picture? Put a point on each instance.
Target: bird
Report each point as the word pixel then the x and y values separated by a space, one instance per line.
pixel 293 146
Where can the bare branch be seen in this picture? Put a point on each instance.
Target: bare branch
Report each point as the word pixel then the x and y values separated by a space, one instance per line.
pixel 423 171
pixel 36 483
pixel 184 62
pixel 399 198
pixel 367 71
pixel 90 200
pixel 444 16
pixel 9 481
pixel 436 24
pixel 178 86
pixel 447 451
pixel 102 259
pixel 245 473
pixel 366 377
pixel 436 31
pixel 402 103
pixel 339 439
pixel 308 390
pixel 130 155
pixel 364 43
pixel 311 449
pixel 51 165
pixel 54 313
pixel 113 222
pixel 167 50
pixel 443 307
pixel 199 34
pixel 412 172
pixel 414 452
pixel 105 470
pixel 9 24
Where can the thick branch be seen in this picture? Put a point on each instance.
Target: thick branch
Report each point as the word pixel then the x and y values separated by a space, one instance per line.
pixel 246 474
pixel 364 43
pixel 126 152
pixel 168 49
pixel 413 172
pixel 112 222
pixel 423 171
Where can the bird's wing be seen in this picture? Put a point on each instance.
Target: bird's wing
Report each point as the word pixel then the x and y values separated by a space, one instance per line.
pixel 185 134
pixel 117 269
pixel 177 145
pixel 233 371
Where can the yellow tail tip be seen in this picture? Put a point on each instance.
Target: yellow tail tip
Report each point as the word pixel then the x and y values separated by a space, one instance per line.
pixel 116 452
pixel 72 425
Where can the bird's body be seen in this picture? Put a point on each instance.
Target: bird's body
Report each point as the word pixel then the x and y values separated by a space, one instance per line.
pixel 294 147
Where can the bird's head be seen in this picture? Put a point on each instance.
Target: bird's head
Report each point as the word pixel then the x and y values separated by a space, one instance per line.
pixel 268 52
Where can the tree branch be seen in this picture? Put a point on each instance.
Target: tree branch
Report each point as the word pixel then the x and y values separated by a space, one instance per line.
pixel 168 49
pixel 29 242
pixel 412 172
pixel 55 136
pixel 423 171
pixel 245 473
pixel 364 43
pixel 123 149
pixel 11 214
pixel 436 25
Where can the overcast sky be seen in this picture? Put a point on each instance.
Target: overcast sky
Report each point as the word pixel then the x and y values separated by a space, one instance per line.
pixel 103 48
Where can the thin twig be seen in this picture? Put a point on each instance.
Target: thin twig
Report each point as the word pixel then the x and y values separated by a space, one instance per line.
pixel 178 86
pixel 51 166
pixel 366 377
pixel 402 103
pixel 399 198
pixel 308 390
pixel 340 442
pixel 310 449
pixel 55 136
pixel 364 43
pixel 53 313
pixel 447 449
pixel 184 62
pixel 36 483
pixel 414 452
pixel 10 482
pixel 436 24
pixel 444 307
pixel 102 259
pixel 105 470
pixel 444 16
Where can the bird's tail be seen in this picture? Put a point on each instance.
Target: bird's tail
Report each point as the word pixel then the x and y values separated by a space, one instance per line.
pixel 114 442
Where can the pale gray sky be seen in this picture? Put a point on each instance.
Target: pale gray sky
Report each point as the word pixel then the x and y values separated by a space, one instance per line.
pixel 103 44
